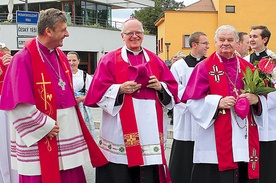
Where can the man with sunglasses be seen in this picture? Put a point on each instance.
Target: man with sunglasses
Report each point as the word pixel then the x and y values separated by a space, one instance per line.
pixel 132 85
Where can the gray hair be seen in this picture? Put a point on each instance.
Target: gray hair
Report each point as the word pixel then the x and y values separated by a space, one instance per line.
pixel 123 26
pixel 49 18
pixel 227 27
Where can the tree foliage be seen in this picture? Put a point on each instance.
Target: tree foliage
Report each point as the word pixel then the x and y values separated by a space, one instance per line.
pixel 148 16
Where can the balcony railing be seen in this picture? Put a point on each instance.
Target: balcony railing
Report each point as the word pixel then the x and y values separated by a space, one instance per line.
pixel 78 20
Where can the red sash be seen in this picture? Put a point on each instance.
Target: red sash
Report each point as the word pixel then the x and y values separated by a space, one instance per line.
pixel 223 125
pixel 3 70
pixel 45 98
pixel 128 118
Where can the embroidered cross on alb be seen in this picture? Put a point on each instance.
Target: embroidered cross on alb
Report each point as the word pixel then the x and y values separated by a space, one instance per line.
pixel 216 73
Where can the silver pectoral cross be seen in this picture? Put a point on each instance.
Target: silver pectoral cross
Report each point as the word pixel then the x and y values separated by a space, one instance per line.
pixel 61 83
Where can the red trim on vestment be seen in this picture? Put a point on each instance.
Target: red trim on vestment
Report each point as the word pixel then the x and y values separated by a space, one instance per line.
pixel 128 119
pixel 3 70
pixel 45 98
pixel 253 138
pixel 127 116
pixel 223 124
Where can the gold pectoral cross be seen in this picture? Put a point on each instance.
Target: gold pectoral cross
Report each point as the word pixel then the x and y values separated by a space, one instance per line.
pixel 236 91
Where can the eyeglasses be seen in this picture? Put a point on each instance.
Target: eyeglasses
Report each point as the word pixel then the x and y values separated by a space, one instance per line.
pixel 138 33
pixel 206 43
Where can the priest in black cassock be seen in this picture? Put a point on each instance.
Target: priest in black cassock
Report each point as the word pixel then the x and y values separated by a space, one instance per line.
pixel 184 126
pixel 259 37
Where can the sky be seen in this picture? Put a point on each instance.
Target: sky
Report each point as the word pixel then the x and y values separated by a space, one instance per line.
pixel 123 14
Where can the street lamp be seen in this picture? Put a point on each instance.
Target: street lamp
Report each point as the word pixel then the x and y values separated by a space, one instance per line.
pixel 168 46
pixel 168 61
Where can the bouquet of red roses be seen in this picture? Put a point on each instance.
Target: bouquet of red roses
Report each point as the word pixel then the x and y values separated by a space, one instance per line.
pixel 258 82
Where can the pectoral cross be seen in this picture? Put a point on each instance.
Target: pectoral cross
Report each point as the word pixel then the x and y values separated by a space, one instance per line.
pixel 236 91
pixel 61 83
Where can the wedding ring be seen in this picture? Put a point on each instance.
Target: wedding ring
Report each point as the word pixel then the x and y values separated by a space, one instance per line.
pixel 133 90
pixel 229 103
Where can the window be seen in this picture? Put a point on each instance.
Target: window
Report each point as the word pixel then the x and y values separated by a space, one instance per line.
pixel 102 15
pixel 185 43
pixel 47 5
pixel 158 48
pixel 90 12
pixel 33 7
pixel 161 45
pixel 230 9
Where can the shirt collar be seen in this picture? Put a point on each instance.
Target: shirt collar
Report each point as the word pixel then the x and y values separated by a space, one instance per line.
pixel 134 52
pixel 197 59
pixel 44 48
pixel 124 54
pixel 258 53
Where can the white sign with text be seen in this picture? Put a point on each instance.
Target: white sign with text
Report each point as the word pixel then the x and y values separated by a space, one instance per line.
pixel 27 30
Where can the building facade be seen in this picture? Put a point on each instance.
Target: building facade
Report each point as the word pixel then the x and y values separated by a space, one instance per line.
pixel 90 26
pixel 206 16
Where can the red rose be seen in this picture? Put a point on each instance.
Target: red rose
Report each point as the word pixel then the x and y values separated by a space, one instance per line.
pixel 266 66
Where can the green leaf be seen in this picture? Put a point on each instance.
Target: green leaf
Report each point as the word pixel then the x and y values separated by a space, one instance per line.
pixel 248 75
pixel 264 90
pixel 256 76
pixel 254 82
pixel 255 62
pixel 252 86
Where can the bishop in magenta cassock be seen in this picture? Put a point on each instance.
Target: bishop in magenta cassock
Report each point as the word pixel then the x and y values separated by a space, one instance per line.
pixel 49 139
pixel 132 85
pixel 226 146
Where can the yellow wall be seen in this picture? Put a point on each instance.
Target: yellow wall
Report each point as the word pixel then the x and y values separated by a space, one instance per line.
pixel 177 24
pixel 248 13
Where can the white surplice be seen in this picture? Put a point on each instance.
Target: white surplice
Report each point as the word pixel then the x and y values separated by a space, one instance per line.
pixel 203 111
pixel 24 150
pixel 7 175
pixel 184 126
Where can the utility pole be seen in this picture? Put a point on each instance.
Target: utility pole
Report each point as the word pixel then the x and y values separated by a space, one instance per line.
pixel 26 4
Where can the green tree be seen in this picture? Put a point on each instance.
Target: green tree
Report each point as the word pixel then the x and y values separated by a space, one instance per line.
pixel 149 15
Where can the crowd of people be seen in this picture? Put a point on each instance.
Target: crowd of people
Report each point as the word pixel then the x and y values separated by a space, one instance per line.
pixel 47 128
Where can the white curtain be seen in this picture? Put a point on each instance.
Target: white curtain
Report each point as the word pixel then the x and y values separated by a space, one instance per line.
pixel 10 8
